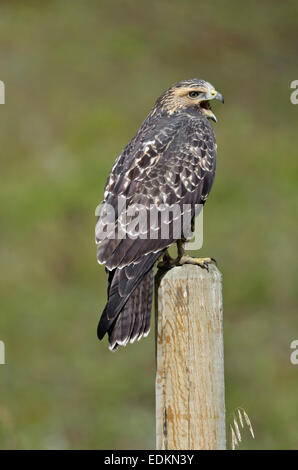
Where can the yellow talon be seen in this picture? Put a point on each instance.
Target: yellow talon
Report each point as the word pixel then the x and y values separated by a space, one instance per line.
pixel 203 262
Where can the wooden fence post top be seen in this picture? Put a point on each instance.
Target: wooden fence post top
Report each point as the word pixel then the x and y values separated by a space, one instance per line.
pixel 187 271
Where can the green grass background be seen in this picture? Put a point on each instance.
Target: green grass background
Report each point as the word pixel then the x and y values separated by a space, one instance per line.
pixel 80 77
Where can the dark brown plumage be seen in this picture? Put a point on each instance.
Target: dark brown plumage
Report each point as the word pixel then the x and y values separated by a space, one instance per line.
pixel 171 160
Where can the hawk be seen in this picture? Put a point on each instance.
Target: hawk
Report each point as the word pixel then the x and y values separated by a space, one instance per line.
pixel 169 162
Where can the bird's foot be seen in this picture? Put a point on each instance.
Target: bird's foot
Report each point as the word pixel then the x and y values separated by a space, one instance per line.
pixel 203 262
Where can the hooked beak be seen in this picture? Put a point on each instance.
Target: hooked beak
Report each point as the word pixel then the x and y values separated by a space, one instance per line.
pixel 205 105
pixel 219 97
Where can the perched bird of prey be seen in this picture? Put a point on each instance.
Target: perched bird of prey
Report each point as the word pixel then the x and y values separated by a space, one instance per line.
pixel 169 162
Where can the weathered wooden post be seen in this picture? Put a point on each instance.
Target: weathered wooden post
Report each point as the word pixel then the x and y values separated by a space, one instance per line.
pixel 190 403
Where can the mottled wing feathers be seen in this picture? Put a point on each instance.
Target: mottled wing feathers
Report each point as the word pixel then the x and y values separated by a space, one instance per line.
pixel 175 167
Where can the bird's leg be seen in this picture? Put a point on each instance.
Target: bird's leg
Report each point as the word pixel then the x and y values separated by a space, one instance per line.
pixel 185 259
pixel 192 226
pixel 180 249
pixel 167 261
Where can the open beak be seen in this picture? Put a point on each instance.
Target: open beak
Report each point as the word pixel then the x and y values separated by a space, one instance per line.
pixel 205 105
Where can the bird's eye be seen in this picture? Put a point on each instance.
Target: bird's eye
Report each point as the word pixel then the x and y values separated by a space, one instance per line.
pixel 193 94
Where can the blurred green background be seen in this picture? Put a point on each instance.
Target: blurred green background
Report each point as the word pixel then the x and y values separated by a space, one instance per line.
pixel 80 77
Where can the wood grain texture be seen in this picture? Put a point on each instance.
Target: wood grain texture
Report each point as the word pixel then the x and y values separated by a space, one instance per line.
pixel 190 404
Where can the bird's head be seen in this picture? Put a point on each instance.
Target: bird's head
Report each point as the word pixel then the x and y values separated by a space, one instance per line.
pixel 194 93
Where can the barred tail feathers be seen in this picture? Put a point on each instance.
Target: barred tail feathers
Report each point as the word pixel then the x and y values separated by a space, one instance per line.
pixel 126 316
pixel 133 322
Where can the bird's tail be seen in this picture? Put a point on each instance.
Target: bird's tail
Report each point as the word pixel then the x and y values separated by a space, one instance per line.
pixel 133 322
pixel 126 316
